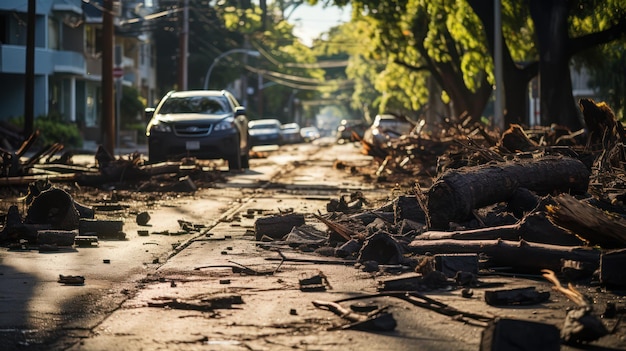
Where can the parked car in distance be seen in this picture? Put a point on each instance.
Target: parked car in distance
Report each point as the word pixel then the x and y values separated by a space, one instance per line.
pixel 265 132
pixel 350 130
pixel 386 127
pixel 290 133
pixel 309 134
pixel 206 124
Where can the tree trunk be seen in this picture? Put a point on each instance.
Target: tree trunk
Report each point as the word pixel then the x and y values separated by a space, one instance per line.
pixel 447 74
pixel 557 101
pixel 515 79
pixel 457 193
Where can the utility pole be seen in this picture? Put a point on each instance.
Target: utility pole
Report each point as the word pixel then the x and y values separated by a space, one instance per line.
pixel 29 91
pixel 498 113
pixel 108 113
pixel 183 47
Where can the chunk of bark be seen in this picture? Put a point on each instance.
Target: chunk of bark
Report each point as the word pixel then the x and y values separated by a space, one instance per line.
pixel 56 237
pixel 612 268
pixel 515 139
pixel 601 123
pixel 511 334
pixel 142 218
pixel 594 225
pixel 382 248
pixel 111 229
pixel 55 207
pixel 454 196
pixel 276 227
pixel 521 256
pixel 516 297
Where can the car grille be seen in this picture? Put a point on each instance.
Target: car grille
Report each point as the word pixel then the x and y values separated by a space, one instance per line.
pixel 193 130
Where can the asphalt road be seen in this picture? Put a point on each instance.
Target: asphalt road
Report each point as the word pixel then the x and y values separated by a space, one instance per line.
pixel 179 291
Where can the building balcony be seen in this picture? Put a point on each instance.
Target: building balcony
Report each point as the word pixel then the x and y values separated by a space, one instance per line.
pixel 13 60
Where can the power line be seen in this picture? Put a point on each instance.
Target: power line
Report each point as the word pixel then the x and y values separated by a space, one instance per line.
pixel 288 80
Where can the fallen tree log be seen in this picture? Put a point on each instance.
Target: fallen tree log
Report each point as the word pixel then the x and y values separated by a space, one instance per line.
pixel 532 228
pixel 454 196
pixel 521 256
pixel 595 225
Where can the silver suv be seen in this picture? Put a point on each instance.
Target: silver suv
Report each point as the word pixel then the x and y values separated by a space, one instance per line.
pixel 206 124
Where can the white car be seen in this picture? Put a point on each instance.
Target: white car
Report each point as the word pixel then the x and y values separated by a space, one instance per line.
pixel 310 133
pixel 386 127
pixel 265 132
pixel 290 133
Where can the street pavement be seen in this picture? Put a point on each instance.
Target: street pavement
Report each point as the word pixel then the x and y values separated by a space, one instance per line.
pixel 220 289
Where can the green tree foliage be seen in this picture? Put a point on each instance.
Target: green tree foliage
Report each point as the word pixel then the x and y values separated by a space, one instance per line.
pixel 452 41
pixel 288 71
pixel 409 43
pixel 284 73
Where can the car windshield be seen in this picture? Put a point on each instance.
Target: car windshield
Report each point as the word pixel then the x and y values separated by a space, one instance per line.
pixel 195 104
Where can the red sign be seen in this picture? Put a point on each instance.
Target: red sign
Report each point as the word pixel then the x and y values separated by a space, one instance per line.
pixel 118 72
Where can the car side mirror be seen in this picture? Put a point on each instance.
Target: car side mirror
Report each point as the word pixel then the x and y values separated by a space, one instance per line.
pixel 240 111
pixel 148 113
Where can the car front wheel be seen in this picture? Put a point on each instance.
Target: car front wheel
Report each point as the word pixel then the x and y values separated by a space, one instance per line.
pixel 245 160
pixel 235 161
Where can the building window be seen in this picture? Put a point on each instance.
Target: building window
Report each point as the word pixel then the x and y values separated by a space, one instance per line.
pixel 4 23
pixel 16 29
pixel 53 34
pixel 93 40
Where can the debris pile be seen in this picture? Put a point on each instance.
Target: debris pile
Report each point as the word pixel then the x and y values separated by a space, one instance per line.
pixel 529 202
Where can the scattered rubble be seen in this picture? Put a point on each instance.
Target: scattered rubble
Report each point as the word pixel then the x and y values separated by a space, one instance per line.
pixel 543 202
pixel 526 202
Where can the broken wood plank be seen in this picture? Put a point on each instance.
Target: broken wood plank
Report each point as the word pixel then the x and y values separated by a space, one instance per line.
pixel 111 229
pixel 521 256
pixel 532 228
pixel 56 237
pixel 25 180
pixel 454 196
pixel 593 224
pixel 512 334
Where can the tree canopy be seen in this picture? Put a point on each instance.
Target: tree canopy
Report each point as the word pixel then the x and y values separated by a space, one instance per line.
pixel 409 42
pixel 416 57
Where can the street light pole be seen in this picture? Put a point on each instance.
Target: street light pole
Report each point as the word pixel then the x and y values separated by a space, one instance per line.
pixel 233 51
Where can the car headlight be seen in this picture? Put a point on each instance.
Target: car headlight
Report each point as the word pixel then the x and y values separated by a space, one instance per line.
pixel 158 126
pixel 225 124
